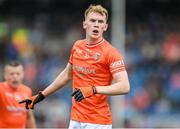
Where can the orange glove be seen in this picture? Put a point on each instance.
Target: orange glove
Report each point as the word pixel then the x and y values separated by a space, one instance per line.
pixel 84 92
pixel 30 102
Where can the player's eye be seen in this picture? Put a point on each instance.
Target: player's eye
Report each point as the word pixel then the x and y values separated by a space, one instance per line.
pixel 17 73
pixel 92 20
pixel 11 73
pixel 101 21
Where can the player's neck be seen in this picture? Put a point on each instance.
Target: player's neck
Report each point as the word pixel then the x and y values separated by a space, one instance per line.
pixel 93 41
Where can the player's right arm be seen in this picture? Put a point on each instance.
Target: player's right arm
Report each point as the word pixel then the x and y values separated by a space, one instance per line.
pixel 62 79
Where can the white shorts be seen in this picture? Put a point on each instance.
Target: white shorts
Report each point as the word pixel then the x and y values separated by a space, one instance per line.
pixel 81 125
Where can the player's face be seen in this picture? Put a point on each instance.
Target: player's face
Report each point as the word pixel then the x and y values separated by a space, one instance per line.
pixel 95 24
pixel 14 75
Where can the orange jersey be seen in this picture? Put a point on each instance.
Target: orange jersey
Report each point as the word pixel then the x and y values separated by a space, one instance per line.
pixel 94 65
pixel 13 114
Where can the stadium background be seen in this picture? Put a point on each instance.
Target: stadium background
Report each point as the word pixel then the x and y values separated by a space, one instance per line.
pixel 41 33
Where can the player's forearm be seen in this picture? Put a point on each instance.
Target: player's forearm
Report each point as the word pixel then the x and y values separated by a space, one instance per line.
pixel 30 123
pixel 118 88
pixel 58 83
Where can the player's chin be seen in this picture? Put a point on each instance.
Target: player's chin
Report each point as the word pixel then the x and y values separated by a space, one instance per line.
pixel 95 36
pixel 15 84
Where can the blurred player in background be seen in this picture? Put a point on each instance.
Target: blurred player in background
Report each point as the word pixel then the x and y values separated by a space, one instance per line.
pixel 92 66
pixel 12 114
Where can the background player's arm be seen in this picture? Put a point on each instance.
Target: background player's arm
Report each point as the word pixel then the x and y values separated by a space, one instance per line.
pixel 62 79
pixel 30 123
pixel 120 85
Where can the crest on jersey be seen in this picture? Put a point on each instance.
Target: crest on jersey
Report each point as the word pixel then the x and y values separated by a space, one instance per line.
pixel 96 56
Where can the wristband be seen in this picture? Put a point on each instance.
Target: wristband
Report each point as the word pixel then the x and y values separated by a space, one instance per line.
pixel 94 90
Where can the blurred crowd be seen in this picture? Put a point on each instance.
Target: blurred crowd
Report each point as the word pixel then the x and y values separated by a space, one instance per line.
pixel 43 43
pixel 153 64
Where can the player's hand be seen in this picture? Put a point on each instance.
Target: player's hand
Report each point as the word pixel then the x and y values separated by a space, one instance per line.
pixel 84 92
pixel 30 102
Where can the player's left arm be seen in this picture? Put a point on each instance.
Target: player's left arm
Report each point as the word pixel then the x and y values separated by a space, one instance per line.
pixel 120 86
pixel 30 123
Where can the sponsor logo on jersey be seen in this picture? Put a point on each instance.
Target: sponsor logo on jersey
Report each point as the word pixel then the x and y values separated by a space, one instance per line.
pixel 117 64
pixel 86 56
pixel 16 109
pixel 88 50
pixel 84 70
pixel 78 51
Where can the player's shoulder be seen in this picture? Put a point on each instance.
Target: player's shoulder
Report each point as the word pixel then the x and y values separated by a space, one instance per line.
pixel 79 42
pixel 110 48
pixel 1 83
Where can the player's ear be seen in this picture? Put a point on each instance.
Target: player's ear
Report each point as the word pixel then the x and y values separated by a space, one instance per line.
pixel 84 25
pixel 105 27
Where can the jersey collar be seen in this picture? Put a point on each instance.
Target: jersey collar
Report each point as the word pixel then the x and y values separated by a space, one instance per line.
pixel 94 44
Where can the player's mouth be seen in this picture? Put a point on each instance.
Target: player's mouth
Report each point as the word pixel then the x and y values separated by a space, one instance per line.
pixel 95 31
pixel 15 82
